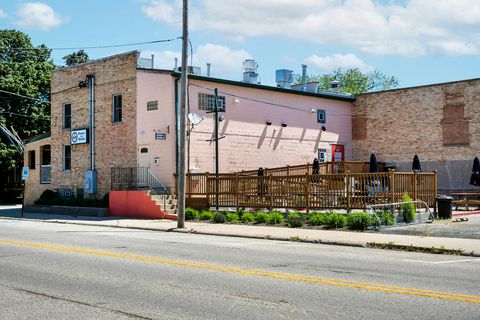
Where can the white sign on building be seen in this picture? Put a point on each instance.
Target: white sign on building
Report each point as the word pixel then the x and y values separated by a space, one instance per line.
pixel 79 136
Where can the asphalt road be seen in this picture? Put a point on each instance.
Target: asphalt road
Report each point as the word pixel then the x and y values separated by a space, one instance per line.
pixel 59 271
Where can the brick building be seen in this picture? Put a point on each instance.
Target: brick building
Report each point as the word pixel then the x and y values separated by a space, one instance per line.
pixel 134 125
pixel 439 122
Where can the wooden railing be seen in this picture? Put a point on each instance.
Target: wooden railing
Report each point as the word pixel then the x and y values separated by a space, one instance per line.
pixel 322 191
pixel 325 168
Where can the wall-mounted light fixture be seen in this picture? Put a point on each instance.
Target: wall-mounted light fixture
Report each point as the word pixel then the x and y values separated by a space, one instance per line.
pixel 221 118
pixel 284 124
pixel 313 111
pixel 323 128
pixel 268 123
pixel 236 101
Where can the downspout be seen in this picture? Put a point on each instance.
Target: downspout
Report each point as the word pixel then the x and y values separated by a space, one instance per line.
pixel 91 102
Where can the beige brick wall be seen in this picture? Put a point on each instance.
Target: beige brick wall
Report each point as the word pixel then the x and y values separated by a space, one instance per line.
pixel 33 187
pixel 115 144
pixel 440 123
pixel 400 123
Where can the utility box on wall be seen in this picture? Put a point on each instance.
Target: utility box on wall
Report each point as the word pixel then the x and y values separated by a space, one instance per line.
pixel 90 181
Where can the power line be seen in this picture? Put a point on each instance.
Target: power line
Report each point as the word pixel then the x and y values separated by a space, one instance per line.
pixel 22 96
pixel 96 47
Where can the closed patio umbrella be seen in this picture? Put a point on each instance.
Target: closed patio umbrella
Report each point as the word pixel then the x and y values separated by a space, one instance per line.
pixel 475 177
pixel 416 163
pixel 373 163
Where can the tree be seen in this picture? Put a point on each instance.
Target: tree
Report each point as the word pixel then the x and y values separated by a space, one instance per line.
pixel 25 70
pixel 77 57
pixel 355 81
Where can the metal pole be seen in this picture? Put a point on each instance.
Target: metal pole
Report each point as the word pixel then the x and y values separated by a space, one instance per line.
pixel 216 147
pixel 23 198
pixel 182 133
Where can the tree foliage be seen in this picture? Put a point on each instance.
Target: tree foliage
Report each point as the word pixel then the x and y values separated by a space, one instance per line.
pixel 24 70
pixel 76 57
pixel 355 81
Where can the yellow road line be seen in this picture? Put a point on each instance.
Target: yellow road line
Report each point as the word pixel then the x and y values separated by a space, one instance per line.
pixel 254 272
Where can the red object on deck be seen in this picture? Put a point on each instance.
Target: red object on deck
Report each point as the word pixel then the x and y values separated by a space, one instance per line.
pixel 135 204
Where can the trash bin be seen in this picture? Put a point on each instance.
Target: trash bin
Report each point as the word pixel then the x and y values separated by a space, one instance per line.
pixel 444 204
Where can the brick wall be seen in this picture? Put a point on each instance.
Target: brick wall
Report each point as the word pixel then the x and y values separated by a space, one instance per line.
pixel 439 122
pixel 115 143
pixel 33 187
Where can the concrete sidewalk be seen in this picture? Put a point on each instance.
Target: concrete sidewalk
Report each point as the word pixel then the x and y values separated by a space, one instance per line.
pixel 469 247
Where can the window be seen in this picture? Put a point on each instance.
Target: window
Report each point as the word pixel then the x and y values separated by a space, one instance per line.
pixel 67 116
pixel 152 105
pixel 117 108
pixel 67 158
pixel 31 159
pixel 206 102
pixel 322 155
pixel 321 116
pixel 144 150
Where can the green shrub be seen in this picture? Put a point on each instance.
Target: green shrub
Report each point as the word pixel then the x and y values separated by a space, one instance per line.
pixel 191 214
pixel 295 220
pixel 275 217
pixel 232 217
pixel 358 221
pixel 106 200
pixel 47 197
pixel 408 209
pixel 261 217
pixel 317 219
pixel 335 220
pixel 247 217
pixel 205 215
pixel 387 218
pixel 219 217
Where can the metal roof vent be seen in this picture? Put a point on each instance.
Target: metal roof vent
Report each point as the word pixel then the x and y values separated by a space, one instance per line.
pixel 250 74
pixel 335 85
pixel 284 78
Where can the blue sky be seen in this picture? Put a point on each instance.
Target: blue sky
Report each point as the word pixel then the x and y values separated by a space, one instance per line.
pixel 418 41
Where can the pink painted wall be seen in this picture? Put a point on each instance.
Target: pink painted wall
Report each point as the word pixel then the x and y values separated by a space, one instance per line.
pixel 152 86
pixel 249 143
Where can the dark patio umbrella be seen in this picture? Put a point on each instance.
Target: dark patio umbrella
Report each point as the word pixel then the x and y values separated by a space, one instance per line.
pixel 416 164
pixel 373 163
pixel 475 177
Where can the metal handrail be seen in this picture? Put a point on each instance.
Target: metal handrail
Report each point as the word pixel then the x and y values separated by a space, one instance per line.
pixel 370 207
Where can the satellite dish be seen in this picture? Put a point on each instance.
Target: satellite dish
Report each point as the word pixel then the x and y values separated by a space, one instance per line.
pixel 195 118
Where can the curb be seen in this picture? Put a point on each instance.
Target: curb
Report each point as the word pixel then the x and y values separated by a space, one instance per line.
pixel 465 213
pixel 387 246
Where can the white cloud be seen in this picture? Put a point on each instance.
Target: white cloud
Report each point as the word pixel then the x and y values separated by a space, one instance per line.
pixel 2 14
pixel 333 62
pixel 225 62
pixel 405 28
pixel 159 10
pixel 37 15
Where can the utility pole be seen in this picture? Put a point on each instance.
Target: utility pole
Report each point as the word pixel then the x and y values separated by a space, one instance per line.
pixel 216 147
pixel 182 132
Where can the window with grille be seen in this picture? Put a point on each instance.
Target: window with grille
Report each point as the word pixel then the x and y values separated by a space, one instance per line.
pixel 206 102
pixel 117 108
pixel 322 155
pixel 67 115
pixel 152 105
pixel 67 157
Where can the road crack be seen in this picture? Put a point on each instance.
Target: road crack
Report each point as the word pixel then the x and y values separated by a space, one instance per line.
pixel 97 306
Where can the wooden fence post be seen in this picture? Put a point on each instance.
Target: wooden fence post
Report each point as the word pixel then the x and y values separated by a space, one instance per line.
pixel 236 190
pixel 207 187
pixel 307 191
pixel 270 190
pixel 348 191
pixel 391 172
pixel 288 170
pixel 414 185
